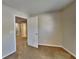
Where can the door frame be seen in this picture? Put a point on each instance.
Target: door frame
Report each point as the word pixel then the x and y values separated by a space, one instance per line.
pixel 15 29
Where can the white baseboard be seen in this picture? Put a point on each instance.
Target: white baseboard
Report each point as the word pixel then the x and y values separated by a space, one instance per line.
pixel 60 47
pixel 8 54
pixel 69 52
pixel 50 45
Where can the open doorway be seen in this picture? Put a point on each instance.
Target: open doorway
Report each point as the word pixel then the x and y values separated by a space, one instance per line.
pixel 21 32
pixel 21 27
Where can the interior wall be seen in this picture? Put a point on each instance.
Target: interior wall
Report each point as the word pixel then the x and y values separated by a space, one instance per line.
pixel 17 29
pixel 8 30
pixel 69 28
pixel 50 29
pixel 23 30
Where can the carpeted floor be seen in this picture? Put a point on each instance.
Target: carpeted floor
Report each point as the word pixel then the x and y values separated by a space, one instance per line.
pixel 43 52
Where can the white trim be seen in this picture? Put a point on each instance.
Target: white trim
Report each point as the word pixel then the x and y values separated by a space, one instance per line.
pixel 69 51
pixel 8 54
pixel 51 45
pixel 15 27
pixel 15 32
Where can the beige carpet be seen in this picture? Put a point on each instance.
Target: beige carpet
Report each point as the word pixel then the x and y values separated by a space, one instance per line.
pixel 43 52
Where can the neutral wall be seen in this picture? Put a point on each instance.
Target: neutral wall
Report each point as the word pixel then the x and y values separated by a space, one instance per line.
pixel 50 29
pixel 69 28
pixel 23 29
pixel 8 30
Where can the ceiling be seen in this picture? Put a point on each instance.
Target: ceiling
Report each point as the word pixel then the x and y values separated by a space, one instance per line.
pixel 37 6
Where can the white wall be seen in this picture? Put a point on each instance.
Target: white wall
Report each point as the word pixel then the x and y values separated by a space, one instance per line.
pixel 69 28
pixel 50 29
pixel 8 31
pixel 58 29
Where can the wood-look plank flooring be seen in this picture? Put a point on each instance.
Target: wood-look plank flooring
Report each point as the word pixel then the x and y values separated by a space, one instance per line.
pixel 43 52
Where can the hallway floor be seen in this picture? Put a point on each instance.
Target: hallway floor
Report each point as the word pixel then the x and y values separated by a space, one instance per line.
pixel 43 52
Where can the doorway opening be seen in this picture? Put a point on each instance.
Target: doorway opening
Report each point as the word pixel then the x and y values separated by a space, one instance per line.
pixel 21 32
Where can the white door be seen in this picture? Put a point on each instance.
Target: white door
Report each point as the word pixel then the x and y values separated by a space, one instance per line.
pixel 33 31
